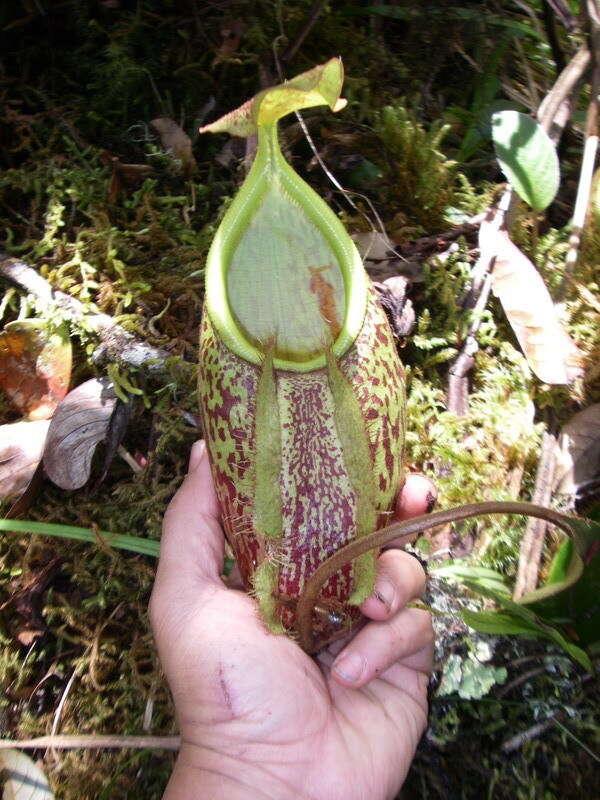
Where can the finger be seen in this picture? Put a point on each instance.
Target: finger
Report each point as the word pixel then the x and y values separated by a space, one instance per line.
pixel 379 645
pixel 192 542
pixel 417 496
pixel 400 579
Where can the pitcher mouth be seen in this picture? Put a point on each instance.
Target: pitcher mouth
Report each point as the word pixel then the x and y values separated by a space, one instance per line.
pixel 334 288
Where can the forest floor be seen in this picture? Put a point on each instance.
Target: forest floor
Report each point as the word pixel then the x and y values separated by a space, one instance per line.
pixel 115 212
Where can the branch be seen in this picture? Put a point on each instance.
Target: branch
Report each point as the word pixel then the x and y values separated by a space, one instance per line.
pixel 590 149
pixel 561 91
pixel 93 742
pixel 457 397
pixel 313 16
pixel 116 344
pixel 532 544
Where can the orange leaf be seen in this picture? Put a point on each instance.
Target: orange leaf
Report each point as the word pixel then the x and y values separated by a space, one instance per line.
pixel 35 366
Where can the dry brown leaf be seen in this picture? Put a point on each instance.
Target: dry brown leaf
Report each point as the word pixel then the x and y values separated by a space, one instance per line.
pixel 176 142
pixel 550 351
pixel 231 32
pixel 578 455
pixel 79 424
pixel 35 366
pixel 21 448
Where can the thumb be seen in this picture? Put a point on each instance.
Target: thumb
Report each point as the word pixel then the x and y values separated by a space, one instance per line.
pixel 192 543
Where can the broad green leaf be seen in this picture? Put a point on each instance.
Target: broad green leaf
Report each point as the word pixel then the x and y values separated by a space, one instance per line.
pixel 317 87
pixel 577 605
pixel 478 576
pixel 527 157
pixel 519 619
pixel 559 567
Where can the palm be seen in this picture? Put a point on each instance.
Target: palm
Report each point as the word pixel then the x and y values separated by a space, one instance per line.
pixel 255 705
pixel 280 706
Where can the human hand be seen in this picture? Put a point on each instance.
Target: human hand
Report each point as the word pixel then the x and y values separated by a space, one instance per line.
pixel 258 717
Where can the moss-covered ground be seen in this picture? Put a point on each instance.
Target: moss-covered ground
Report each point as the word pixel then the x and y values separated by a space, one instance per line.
pixel 79 84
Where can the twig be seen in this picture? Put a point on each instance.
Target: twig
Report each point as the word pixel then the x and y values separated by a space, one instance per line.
pixel 91 742
pixel 116 344
pixel 517 741
pixel 532 543
pixel 525 676
pixel 562 90
pixel 590 149
pixel 550 26
pixel 312 17
pixel 457 397
pixel 129 459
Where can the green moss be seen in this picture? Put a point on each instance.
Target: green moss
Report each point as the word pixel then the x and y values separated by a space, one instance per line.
pixel 424 183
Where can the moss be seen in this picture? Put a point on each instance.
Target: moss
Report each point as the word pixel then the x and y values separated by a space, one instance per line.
pixel 80 82
pixel 423 182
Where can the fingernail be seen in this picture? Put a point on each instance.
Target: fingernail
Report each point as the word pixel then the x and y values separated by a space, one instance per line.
pixel 431 500
pixel 196 455
pixel 349 667
pixel 384 592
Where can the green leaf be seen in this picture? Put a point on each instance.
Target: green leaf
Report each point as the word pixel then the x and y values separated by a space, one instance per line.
pixel 527 157
pixel 478 576
pixel 135 544
pixel 518 619
pixel 560 563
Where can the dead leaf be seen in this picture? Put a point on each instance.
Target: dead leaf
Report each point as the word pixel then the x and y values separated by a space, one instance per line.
pixel 550 351
pixel 578 451
pixel 21 448
pixel 399 309
pixel 35 366
pixel 124 176
pixel 79 424
pixel 176 143
pixel 232 33
pixel 374 246
pixel 22 779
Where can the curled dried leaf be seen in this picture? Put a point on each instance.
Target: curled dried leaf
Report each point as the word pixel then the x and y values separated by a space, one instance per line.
pixel 79 424
pixel 578 455
pixel 21 448
pixel 550 351
pixel 22 779
pixel 176 142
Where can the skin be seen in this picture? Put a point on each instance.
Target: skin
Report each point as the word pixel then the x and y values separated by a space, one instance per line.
pixel 258 717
